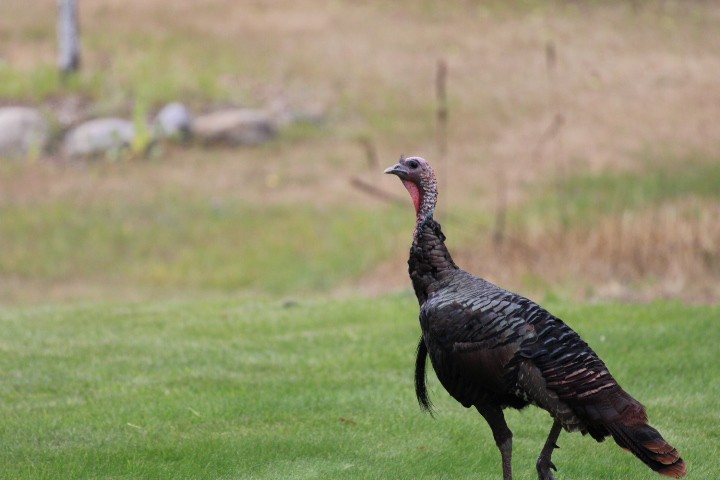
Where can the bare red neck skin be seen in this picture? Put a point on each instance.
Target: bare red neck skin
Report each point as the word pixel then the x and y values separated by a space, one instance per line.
pixel 414 194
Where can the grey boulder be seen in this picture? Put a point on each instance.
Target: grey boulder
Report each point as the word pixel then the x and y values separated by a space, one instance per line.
pixel 235 126
pixel 24 132
pixel 102 135
pixel 173 121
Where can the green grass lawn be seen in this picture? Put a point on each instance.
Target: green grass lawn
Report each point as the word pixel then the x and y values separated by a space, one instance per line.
pixel 313 389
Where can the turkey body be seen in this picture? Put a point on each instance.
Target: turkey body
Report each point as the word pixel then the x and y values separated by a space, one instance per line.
pixel 491 346
pixel 492 349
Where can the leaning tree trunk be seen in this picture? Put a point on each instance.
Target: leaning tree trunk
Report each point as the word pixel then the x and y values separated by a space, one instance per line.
pixel 68 37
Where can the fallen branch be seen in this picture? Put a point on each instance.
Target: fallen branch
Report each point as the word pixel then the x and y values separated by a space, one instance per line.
pixel 373 191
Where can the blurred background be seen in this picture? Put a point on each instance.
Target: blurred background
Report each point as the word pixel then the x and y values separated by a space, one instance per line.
pixel 577 145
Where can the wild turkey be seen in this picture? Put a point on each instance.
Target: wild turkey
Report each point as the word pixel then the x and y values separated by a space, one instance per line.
pixel 493 349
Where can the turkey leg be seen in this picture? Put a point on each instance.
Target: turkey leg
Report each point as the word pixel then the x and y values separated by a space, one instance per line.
pixel 501 433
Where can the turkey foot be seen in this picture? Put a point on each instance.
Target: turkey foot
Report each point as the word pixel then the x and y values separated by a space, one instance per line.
pixel 544 464
pixel 544 472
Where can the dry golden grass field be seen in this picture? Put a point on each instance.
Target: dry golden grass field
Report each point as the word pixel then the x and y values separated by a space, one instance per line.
pixel 585 134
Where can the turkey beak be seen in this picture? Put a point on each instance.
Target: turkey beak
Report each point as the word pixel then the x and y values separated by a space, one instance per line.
pixel 398 169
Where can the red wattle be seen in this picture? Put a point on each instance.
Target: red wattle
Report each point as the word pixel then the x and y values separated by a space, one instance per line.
pixel 414 194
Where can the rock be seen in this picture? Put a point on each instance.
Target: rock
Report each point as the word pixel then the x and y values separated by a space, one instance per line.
pixel 173 121
pixel 24 132
pixel 235 126
pixel 102 135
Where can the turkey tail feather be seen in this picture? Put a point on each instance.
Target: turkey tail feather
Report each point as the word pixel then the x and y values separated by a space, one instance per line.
pixel 421 378
pixel 648 445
